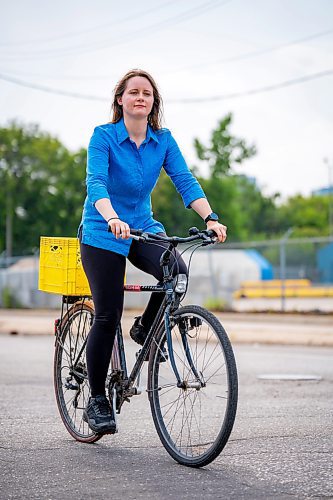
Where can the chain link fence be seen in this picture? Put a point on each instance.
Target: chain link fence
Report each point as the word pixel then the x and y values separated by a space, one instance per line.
pixel 297 260
pixel 217 275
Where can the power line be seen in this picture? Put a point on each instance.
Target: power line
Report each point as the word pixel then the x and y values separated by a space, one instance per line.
pixel 260 90
pixel 255 53
pixel 126 38
pixel 50 90
pixel 58 76
pixel 268 88
pixel 84 32
pixel 246 55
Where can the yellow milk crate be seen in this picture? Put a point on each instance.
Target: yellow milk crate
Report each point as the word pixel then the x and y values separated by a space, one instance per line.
pixel 60 267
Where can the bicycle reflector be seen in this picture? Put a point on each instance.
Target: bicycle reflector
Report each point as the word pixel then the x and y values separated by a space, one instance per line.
pixel 180 283
pixel 56 325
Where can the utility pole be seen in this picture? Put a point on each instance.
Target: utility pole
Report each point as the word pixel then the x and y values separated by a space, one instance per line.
pixel 9 218
pixel 9 226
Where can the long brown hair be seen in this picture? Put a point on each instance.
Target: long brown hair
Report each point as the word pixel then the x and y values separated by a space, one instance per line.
pixel 155 116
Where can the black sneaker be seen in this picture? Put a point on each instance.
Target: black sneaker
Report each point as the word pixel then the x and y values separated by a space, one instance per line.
pixel 98 415
pixel 137 332
pixel 139 335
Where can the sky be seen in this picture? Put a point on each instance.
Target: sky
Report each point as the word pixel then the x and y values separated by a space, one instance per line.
pixel 268 62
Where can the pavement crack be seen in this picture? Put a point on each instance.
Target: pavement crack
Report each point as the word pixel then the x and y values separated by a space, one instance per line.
pixel 141 447
pixel 265 437
pixel 269 452
pixel 34 449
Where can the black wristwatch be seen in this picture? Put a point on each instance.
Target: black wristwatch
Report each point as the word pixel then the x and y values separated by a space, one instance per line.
pixel 212 216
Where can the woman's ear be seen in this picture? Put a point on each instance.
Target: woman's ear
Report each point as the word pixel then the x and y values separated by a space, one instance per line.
pixel 119 100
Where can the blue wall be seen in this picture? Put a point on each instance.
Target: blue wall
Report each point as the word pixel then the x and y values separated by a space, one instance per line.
pixel 325 263
pixel 266 268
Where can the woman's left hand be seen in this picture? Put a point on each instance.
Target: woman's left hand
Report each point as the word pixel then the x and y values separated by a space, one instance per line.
pixel 219 229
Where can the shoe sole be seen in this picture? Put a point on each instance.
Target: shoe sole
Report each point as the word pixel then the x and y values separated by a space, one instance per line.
pixel 105 429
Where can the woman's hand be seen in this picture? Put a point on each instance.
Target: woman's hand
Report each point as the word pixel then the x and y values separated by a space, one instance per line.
pixel 119 228
pixel 219 229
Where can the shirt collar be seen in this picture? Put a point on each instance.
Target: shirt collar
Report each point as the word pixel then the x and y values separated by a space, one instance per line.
pixel 151 134
pixel 121 130
pixel 122 133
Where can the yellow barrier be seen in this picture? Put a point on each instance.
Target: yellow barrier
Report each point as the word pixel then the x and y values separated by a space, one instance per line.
pixel 273 289
pixel 275 283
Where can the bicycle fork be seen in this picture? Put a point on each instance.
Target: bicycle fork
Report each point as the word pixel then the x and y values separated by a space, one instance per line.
pixel 182 384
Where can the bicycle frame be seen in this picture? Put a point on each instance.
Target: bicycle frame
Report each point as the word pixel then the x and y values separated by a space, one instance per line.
pixel 170 303
pixel 128 381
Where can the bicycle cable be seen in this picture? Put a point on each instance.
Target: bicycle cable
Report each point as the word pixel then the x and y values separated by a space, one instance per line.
pixel 196 244
pixel 167 250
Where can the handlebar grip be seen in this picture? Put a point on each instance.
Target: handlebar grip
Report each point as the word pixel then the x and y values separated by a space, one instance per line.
pixel 136 232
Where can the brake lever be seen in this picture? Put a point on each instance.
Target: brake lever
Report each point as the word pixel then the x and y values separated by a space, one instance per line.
pixel 142 237
pixel 209 232
pixel 209 237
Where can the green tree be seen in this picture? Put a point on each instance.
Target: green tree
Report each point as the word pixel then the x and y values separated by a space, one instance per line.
pixel 169 208
pixel 225 150
pixel 41 187
pixel 226 192
pixel 259 212
pixel 308 215
pixel 222 194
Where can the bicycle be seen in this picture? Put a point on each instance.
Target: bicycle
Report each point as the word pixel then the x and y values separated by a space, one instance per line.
pixel 192 382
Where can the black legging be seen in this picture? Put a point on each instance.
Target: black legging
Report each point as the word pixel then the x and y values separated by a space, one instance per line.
pixel 105 271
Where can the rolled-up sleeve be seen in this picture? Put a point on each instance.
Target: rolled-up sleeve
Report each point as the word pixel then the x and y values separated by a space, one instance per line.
pixel 185 182
pixel 97 167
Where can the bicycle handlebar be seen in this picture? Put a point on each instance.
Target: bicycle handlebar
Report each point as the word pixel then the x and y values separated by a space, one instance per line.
pixel 207 236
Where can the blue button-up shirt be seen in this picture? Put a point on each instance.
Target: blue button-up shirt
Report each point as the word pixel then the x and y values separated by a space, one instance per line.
pixel 117 169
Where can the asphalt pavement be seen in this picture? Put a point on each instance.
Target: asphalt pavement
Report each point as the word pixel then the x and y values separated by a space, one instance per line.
pixel 281 445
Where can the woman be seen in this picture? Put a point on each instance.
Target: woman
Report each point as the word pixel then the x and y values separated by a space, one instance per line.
pixel 125 158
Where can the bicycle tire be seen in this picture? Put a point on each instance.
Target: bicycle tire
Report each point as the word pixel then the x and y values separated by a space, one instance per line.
pixel 194 439
pixel 72 390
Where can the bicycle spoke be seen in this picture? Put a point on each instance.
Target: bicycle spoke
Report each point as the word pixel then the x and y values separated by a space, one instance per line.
pixel 72 387
pixel 213 375
pixel 194 423
pixel 173 420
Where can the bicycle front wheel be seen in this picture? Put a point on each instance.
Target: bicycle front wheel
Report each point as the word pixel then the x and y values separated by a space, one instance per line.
pixel 70 371
pixel 193 418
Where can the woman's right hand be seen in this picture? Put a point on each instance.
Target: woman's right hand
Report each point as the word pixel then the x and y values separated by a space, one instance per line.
pixel 119 228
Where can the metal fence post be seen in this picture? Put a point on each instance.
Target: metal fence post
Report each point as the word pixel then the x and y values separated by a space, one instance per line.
pixel 283 241
pixel 212 274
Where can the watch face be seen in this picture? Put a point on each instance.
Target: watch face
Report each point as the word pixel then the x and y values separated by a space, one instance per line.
pixel 212 216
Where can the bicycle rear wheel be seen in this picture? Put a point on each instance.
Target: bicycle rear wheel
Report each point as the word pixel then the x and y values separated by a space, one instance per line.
pixel 70 371
pixel 193 419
